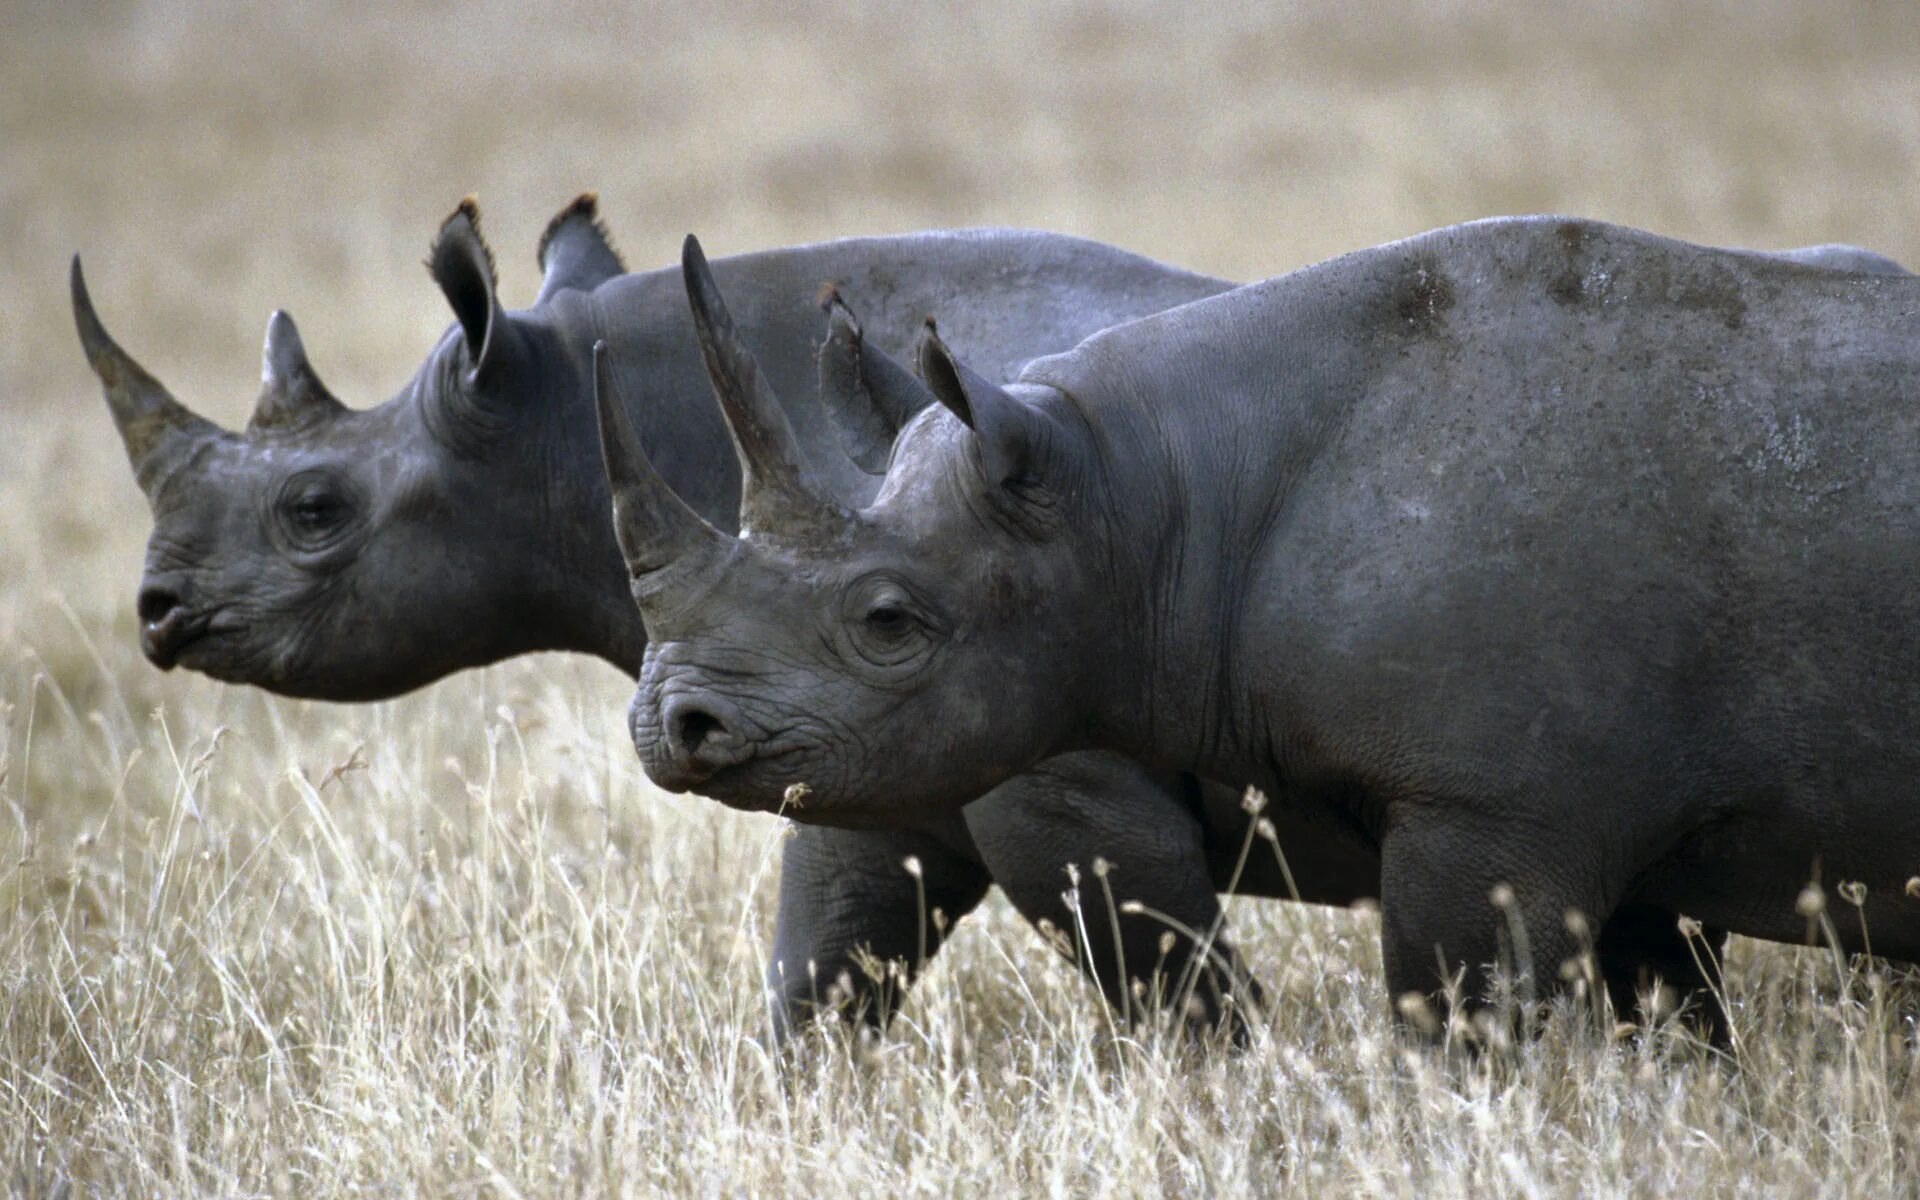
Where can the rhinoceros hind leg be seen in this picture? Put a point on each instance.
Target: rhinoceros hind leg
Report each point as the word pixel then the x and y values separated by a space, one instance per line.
pixel 1641 948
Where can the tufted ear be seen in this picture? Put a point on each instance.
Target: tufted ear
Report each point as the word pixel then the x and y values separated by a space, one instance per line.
pixel 463 267
pixel 868 395
pixel 575 251
pixel 1009 435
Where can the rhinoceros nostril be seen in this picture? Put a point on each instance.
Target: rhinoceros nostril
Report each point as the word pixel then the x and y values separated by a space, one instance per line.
pixel 155 603
pixel 692 727
pixel 701 735
pixel 167 625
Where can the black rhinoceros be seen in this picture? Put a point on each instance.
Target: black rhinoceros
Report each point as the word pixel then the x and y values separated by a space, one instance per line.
pixel 1575 569
pixel 352 555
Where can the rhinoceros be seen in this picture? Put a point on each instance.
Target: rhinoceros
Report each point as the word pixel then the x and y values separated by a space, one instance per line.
pixel 352 555
pixel 1570 568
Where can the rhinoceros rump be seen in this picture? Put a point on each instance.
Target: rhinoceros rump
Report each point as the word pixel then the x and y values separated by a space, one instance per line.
pixel 1570 567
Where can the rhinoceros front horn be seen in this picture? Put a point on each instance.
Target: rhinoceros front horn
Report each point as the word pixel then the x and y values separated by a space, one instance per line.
pixel 291 394
pixel 655 527
pixel 778 489
pixel 154 427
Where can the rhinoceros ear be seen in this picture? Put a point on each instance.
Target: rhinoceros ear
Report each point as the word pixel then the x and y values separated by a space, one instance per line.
pixel 575 251
pixel 463 267
pixel 291 394
pixel 869 395
pixel 1008 434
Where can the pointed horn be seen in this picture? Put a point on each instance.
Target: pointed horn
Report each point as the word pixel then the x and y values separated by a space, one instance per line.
pixel 777 489
pixel 869 395
pixel 654 526
pixel 153 426
pixel 291 394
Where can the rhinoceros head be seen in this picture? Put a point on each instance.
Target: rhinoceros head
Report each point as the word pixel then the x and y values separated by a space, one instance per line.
pixel 891 654
pixel 352 554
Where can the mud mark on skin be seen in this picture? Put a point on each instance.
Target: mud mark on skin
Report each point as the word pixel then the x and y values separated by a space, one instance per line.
pixel 1584 278
pixel 1712 293
pixel 1424 304
pixel 1577 282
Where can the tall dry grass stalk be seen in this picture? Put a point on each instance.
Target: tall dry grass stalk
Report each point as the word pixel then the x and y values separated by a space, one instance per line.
pixel 452 944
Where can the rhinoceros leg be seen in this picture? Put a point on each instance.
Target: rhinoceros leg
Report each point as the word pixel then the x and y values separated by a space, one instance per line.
pixel 1465 895
pixel 1640 946
pixel 1080 810
pixel 848 901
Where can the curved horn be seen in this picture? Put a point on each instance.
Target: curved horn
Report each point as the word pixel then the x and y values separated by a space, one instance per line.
pixel 291 394
pixel 654 526
pixel 869 395
pixel 777 489
pixel 575 251
pixel 153 426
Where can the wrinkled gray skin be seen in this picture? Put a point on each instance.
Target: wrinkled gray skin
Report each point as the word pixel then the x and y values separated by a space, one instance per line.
pixel 352 555
pixel 1559 563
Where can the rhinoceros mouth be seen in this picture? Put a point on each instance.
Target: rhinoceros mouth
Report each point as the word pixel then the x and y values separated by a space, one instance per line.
pixel 170 641
pixel 166 639
pixel 741 783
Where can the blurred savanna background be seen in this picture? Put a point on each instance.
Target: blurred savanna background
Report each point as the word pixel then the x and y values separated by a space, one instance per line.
pixel 453 944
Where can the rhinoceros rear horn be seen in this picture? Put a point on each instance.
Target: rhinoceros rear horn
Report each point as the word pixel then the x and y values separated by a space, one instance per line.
pixel 868 394
pixel 291 394
pixel 154 427
pixel 575 251
pixel 462 265
pixel 654 526
pixel 1007 433
pixel 778 489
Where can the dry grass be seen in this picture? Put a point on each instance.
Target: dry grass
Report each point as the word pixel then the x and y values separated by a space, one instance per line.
pixel 452 945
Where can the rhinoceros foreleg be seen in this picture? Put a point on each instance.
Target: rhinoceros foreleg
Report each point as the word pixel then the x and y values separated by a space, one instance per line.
pixel 855 926
pixel 1642 947
pixel 1137 849
pixel 1469 897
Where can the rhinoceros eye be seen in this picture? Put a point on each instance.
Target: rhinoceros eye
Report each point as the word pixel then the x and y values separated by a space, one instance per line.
pixel 887 627
pixel 316 514
pixel 888 619
pixel 313 510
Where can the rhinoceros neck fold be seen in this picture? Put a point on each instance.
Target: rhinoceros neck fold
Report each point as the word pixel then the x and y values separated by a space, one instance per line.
pixel 1202 450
